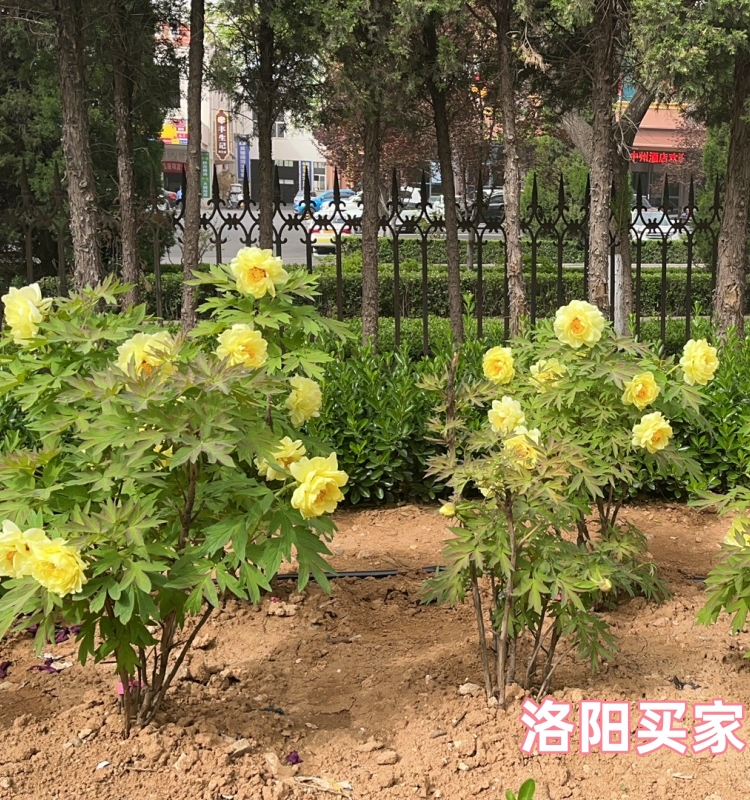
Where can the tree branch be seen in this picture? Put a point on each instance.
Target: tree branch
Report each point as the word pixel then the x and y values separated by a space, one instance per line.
pixel 630 121
pixel 580 133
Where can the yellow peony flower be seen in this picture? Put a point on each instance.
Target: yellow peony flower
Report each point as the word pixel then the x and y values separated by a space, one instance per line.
pixel 652 432
pixel 288 453
pixel 605 585
pixel 24 311
pixel 497 365
pixel 304 400
pixel 505 415
pixel 240 344
pixel 320 481
pixel 547 371
pixel 520 447
pixel 15 549
pixel 579 323
pixel 641 391
pixel 447 510
pixel 258 272
pixel 58 567
pixel 738 534
pixel 699 362
pixel 145 351
pixel 166 455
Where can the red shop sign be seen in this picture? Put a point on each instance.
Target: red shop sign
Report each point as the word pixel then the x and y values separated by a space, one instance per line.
pixel 656 157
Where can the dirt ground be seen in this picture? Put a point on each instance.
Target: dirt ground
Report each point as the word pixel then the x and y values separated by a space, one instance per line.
pixel 363 686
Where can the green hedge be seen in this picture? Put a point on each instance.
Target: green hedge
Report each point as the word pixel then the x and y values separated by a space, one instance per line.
pixel 493 288
pixel 410 286
pixel 375 415
pixel 437 292
pixel 493 251
pixel 440 337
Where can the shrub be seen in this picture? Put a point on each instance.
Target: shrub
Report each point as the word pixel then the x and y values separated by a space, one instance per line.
pixel 715 438
pixel 375 417
pixel 493 289
pixel 728 583
pixel 157 480
pixel 579 408
pixel 493 251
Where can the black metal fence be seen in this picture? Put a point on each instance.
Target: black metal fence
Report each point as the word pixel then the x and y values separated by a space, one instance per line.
pixel 673 250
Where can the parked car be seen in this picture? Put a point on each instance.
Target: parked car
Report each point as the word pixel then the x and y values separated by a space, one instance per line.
pixel 351 208
pixel 235 198
pixel 410 207
pixel 653 224
pixel 438 205
pixel 493 208
pixel 299 201
pixel 324 200
pixel 324 234
pixel 645 202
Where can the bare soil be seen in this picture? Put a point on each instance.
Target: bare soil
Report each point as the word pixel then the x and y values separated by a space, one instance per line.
pixel 363 685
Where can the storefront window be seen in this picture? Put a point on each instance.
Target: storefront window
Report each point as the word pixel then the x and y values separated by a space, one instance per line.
pixel 319 176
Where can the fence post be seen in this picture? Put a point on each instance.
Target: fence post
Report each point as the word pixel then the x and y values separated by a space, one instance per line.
pixel 585 224
pixel 396 262
pixel 307 199
pixel 276 209
pixel 560 246
pixel 337 241
pixel 689 276
pixel 477 217
pixel 423 241
pixel 664 246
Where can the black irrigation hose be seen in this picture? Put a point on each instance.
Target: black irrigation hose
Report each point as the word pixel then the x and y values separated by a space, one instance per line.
pixel 392 573
pixel 373 573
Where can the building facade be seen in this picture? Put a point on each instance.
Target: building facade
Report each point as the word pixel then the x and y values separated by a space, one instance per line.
pixel 228 144
pixel 668 146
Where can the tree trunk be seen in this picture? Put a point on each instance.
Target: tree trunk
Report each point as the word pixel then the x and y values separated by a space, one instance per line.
pixel 512 187
pixel 266 121
pixel 579 132
pixel 76 145
pixel 123 111
pixel 602 88
pixel 192 200
pixel 729 300
pixel 265 164
pixel 626 129
pixel 370 227
pixel 445 159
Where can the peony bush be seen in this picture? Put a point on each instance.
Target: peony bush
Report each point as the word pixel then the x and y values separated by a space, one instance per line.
pixel 573 407
pixel 728 583
pixel 166 472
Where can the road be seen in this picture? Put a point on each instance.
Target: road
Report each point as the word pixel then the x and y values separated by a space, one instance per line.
pixel 293 249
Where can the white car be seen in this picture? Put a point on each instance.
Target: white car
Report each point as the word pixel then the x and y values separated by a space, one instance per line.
pixel 351 208
pixel 438 205
pixel 653 224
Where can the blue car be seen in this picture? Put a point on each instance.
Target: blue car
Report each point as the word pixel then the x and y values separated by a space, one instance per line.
pixel 322 200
